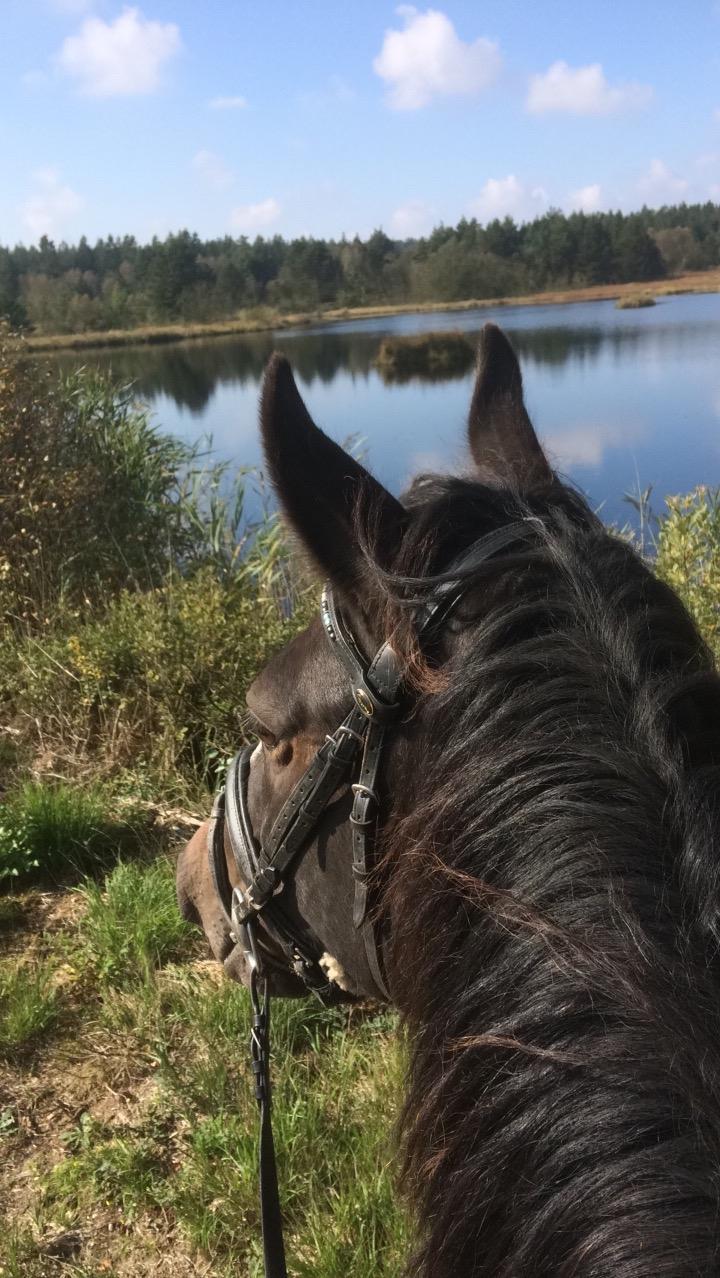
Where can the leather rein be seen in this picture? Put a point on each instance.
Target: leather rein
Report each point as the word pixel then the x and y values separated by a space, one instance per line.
pixel 356 747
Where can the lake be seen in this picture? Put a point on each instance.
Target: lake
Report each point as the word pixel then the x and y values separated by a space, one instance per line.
pixel 621 399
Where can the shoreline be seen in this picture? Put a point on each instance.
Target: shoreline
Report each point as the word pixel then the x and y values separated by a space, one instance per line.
pixel 156 335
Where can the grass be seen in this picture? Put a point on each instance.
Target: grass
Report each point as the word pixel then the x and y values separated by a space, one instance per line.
pixel 57 830
pixel 29 1004
pixel 251 322
pixel 131 925
pixel 425 354
pixel 162 1151
pixel 635 302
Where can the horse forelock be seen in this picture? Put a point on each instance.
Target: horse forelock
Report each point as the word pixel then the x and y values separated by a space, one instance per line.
pixel 552 904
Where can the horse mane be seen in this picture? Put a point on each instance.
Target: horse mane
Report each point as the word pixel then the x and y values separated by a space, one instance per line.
pixel 553 906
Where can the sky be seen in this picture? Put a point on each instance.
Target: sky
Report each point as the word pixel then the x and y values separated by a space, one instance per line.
pixel 331 117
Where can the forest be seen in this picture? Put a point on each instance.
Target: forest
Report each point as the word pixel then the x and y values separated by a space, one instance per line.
pixel 118 283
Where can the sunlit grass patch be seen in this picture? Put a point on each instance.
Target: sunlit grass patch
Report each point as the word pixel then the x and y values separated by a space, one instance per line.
pixel 336 1081
pixel 127 1169
pixel 57 830
pixel 131 926
pixel 29 1004
pixel 190 1152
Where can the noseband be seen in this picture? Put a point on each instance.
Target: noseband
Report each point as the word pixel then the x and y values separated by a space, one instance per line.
pixel 356 747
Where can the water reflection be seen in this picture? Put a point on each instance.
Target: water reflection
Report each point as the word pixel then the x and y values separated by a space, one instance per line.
pixel 617 395
pixel 189 374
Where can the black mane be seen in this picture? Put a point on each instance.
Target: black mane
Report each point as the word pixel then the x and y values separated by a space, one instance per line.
pixel 553 897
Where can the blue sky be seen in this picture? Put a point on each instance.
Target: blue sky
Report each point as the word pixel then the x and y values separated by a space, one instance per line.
pixel 323 117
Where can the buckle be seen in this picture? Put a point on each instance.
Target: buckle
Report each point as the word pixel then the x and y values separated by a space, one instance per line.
pixel 364 797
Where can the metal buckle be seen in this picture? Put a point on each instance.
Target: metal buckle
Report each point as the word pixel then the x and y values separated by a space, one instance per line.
pixel 362 792
pixel 344 731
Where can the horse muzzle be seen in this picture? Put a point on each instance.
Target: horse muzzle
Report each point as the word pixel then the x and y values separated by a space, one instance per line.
pixel 198 903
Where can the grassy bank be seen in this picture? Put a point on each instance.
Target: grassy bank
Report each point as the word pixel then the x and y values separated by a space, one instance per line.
pixel 137 604
pixel 266 319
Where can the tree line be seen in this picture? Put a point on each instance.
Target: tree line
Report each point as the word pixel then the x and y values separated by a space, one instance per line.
pixel 119 283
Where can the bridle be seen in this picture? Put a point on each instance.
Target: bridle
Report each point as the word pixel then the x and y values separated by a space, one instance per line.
pixel 356 746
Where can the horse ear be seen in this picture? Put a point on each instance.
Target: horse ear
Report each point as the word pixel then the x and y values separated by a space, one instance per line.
pixel 326 495
pixel 502 439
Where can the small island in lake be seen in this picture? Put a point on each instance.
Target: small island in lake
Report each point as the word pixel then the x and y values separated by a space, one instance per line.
pixel 634 302
pixel 425 354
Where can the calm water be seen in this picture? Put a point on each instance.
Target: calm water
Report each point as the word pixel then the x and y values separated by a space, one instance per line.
pixel 621 399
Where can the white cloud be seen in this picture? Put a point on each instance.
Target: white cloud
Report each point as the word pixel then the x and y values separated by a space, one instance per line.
pixel 428 59
pixel 236 103
pixel 413 219
pixel 52 205
pixel 501 197
pixel 587 198
pixel 213 169
pixel 582 91
pixel 255 217
pixel 660 183
pixel 127 56
pixel 586 443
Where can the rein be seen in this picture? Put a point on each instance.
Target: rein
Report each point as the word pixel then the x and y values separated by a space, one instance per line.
pixel 355 747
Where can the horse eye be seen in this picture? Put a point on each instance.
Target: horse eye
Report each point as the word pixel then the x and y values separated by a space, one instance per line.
pixel 266 737
pixel 257 729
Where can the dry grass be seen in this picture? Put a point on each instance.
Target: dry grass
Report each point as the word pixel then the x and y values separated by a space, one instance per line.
pixel 635 302
pixel 267 320
pixel 425 354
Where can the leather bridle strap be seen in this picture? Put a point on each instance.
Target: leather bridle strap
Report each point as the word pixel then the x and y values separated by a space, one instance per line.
pixel 270 1213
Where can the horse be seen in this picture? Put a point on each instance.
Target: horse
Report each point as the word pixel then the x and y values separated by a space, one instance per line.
pixel 543 838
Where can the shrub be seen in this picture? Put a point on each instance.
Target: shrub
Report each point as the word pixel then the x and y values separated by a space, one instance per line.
pixel 688 556
pixel 153 685
pixel 93 497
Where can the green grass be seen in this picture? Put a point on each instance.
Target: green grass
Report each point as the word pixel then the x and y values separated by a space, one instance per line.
pixel 57 830
pixel 193 1157
pixel 131 925
pixel 29 1004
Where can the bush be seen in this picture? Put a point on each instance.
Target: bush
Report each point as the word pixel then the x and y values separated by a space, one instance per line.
pixel 140 601
pixel 635 302
pixel 688 556
pixel 93 497
pixel 154 685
